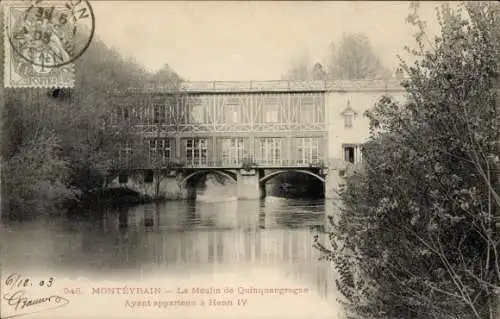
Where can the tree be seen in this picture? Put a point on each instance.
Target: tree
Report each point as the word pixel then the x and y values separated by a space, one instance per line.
pixel 318 72
pixel 79 122
pixel 300 70
pixel 354 59
pixel 35 179
pixel 165 77
pixel 104 72
pixel 416 236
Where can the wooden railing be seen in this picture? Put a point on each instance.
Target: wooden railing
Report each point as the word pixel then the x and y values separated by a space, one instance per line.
pixel 335 163
pixel 392 84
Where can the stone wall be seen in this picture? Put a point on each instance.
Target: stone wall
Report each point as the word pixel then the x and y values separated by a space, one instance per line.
pixel 169 187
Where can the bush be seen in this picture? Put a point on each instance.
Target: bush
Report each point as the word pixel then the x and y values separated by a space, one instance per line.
pixel 416 236
pixel 36 179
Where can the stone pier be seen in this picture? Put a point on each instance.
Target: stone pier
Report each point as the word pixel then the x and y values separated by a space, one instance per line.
pixel 172 189
pixel 248 184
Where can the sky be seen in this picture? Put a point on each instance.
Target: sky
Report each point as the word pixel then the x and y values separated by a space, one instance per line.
pixel 254 40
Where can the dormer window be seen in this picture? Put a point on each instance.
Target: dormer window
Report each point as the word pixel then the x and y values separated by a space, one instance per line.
pixel 349 114
pixel 348 120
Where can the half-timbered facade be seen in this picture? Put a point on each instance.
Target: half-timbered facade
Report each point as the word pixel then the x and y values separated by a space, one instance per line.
pixel 278 124
pixel 248 129
pixel 224 129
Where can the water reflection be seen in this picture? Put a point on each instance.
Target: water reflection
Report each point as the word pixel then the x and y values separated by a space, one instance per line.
pixel 183 236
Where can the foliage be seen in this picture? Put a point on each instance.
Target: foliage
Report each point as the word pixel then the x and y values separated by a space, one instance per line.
pixel 416 234
pixel 318 72
pixel 35 178
pixel 165 77
pixel 355 59
pixel 352 59
pixel 300 71
pixel 78 119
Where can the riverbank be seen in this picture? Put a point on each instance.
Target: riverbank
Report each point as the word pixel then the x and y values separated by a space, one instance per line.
pixel 126 197
pixel 112 197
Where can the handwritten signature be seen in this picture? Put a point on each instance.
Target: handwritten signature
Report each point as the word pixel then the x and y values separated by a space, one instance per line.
pixel 21 300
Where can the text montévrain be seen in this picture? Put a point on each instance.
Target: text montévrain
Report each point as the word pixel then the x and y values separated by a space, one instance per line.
pixel 143 297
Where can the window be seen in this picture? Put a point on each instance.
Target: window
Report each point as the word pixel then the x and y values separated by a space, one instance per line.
pixel 146 115
pixel 232 150
pixel 126 116
pixel 348 120
pixel 158 113
pixel 122 178
pixel 349 113
pixel 152 151
pixel 159 151
pixel 349 154
pixel 197 111
pixel 123 115
pixel 125 154
pixel 270 105
pixel 270 150
pixel 196 151
pixel 148 177
pixel 236 116
pixel 307 150
pixel 352 153
pixel 136 115
pixel 271 115
pixel 170 110
pixel 232 111
pixel 307 109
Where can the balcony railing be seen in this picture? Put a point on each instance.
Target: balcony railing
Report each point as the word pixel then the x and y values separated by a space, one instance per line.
pixel 277 86
pixel 259 163
pixel 255 163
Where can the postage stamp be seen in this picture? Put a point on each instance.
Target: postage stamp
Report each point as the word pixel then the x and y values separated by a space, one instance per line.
pixel 42 39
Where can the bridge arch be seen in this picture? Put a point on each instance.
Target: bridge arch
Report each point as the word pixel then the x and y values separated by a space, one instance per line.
pixel 271 175
pixel 219 172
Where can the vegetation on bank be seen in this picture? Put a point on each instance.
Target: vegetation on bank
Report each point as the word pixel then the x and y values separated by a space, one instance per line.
pixel 56 147
pixel 418 232
pixel 110 197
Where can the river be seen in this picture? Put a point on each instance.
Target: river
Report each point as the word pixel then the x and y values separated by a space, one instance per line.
pixel 186 244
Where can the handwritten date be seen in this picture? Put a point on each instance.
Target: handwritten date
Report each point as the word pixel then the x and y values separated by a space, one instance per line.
pixel 15 281
pixel 20 299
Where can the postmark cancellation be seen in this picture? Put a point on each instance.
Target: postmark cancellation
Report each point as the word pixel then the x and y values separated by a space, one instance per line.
pixel 42 39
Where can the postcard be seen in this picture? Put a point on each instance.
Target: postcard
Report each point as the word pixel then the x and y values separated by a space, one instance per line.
pixel 185 159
